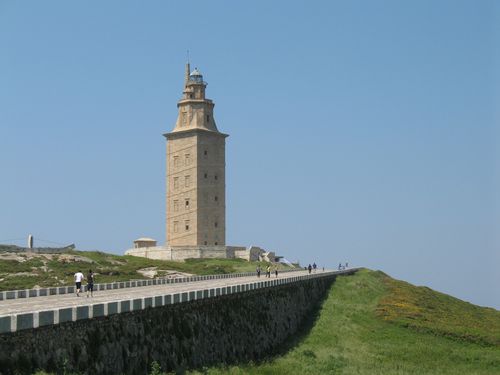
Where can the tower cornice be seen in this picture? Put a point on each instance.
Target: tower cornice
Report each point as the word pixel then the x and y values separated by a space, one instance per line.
pixel 188 101
pixel 188 132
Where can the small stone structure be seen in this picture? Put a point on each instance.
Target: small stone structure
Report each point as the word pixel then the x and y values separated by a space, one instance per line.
pixel 144 242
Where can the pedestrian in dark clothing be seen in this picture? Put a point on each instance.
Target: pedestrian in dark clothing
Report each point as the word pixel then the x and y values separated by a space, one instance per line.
pixel 309 268
pixel 276 270
pixel 314 267
pixel 258 271
pixel 90 283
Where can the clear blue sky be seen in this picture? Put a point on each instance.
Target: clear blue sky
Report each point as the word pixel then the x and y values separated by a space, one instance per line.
pixel 365 132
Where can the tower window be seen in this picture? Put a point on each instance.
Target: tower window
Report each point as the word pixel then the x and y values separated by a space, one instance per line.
pixel 216 224
pixel 208 118
pixel 206 175
pixel 205 152
pixel 206 243
pixel 216 177
pixel 176 182
pixel 216 198
pixel 176 205
pixel 176 161
pixel 186 224
pixel 187 180
pixel 186 203
pixel 187 159
pixel 176 226
pixel 216 243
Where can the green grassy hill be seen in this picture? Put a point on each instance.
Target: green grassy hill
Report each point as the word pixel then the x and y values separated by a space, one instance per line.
pixel 25 270
pixel 372 324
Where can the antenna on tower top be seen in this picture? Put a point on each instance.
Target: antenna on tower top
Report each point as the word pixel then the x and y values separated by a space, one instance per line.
pixel 188 70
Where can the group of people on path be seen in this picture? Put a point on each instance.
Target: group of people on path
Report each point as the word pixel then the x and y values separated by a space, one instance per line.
pixel 79 277
pixel 313 267
pixel 269 269
pixel 341 267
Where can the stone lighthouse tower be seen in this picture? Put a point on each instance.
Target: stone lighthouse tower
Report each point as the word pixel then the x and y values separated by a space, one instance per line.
pixel 196 186
pixel 196 196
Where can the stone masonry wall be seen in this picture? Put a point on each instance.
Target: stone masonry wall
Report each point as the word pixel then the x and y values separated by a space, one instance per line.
pixel 226 329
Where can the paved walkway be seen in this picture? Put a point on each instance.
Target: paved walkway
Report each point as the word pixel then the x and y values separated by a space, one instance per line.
pixel 25 305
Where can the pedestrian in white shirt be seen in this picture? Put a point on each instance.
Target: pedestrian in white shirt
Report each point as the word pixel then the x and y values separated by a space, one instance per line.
pixel 78 281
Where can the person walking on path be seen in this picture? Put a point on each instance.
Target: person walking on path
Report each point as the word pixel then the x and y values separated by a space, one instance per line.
pixel 78 281
pixel 258 271
pixel 340 266
pixel 314 267
pixel 276 271
pixel 268 271
pixel 90 283
pixel 309 268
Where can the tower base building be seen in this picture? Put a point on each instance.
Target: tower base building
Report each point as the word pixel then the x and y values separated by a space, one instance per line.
pixel 180 253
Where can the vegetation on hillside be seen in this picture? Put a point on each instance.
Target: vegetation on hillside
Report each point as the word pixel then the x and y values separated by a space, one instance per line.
pixel 362 328
pixel 26 270
pixel 423 309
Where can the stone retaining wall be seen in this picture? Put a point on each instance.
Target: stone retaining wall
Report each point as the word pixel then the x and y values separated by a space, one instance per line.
pixel 184 330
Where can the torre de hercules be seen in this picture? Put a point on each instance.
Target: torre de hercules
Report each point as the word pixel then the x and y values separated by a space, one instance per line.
pixel 196 185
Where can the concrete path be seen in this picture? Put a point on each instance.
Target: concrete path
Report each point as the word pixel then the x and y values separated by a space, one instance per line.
pixel 26 305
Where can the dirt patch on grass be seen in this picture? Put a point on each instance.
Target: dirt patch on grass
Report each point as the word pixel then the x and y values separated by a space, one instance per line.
pixel 151 272
pixel 69 258
pixel 116 262
pixel 148 272
pixel 12 256
pixel 18 274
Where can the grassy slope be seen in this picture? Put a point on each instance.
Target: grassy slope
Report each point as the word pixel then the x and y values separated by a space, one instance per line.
pixel 425 310
pixel 363 328
pixel 109 268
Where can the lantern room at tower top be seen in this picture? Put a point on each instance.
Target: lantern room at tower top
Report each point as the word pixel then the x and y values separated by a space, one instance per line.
pixel 196 76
